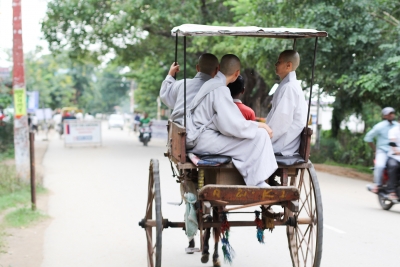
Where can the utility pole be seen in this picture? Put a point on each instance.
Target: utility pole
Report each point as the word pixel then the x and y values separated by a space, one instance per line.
pixel 21 128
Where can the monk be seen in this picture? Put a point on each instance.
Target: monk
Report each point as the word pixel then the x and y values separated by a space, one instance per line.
pixel 216 126
pixel 288 115
pixel 172 91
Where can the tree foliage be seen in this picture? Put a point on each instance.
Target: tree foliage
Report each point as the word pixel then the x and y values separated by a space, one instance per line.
pixel 359 62
pixel 62 81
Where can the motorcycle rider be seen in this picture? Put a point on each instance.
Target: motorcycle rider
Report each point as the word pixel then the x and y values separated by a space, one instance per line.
pixel 145 121
pixel 380 133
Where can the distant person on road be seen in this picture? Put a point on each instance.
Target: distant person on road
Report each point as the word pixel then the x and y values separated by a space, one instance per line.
pixel 288 115
pixel 34 124
pixel 237 89
pixel 145 119
pixel 136 121
pixel 89 117
pixel 379 133
pixel 172 91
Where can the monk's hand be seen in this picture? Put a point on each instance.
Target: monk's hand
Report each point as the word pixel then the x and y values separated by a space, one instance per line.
pixel 173 69
pixel 266 127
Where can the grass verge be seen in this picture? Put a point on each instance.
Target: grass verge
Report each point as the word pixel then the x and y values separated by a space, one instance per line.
pixel 354 167
pixel 23 217
pixel 12 191
pixel 20 196
pixel 15 194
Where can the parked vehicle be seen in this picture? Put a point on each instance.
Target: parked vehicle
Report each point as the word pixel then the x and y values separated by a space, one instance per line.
pixel 116 121
pixel 145 134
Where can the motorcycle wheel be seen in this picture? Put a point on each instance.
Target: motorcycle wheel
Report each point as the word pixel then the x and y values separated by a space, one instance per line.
pixel 385 203
pixel 145 141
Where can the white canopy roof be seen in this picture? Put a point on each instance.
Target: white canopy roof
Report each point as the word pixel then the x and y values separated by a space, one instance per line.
pixel 207 30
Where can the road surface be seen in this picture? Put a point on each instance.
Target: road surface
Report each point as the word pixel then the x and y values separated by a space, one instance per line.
pixel 98 196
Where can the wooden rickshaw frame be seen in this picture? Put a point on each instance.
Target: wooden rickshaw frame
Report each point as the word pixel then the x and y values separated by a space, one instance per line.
pixel 298 191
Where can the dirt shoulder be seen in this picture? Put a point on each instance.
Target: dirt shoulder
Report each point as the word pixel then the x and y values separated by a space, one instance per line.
pixel 24 246
pixel 343 171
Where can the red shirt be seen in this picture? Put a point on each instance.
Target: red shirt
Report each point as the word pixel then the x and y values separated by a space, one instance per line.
pixel 247 112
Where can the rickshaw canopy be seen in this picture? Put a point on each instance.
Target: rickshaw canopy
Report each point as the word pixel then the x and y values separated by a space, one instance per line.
pixel 250 31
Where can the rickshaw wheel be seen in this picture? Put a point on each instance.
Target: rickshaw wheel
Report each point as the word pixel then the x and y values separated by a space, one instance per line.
pixel 153 206
pixel 305 238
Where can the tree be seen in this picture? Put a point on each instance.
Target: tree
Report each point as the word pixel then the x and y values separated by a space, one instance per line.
pixel 136 32
pixel 358 63
pixel 49 76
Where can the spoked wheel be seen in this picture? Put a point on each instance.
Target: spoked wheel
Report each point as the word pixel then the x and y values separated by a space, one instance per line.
pixel 153 207
pixel 305 238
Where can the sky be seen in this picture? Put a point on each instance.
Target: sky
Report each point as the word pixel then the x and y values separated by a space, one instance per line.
pixel 33 11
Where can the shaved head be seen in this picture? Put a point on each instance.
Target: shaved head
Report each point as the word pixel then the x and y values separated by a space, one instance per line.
pixel 208 63
pixel 229 64
pixel 291 56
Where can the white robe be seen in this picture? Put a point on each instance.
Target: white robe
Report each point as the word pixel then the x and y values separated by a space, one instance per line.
pixel 288 116
pixel 229 133
pixel 172 93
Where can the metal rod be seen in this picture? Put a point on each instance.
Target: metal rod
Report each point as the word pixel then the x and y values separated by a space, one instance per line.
pixel 312 81
pixel 32 162
pixel 152 223
pixel 309 100
pixel 266 202
pixel 184 82
pixel 176 51
pixel 294 43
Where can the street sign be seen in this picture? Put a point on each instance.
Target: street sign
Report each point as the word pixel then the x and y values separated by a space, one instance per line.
pixel 82 133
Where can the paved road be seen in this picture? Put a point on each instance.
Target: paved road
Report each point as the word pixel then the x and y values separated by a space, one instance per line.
pixel 98 196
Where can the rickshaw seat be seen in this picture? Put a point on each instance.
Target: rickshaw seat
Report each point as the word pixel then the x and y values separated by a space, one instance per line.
pixel 289 160
pixel 209 160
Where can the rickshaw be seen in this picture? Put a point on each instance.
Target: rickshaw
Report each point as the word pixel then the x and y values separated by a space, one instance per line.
pixel 221 189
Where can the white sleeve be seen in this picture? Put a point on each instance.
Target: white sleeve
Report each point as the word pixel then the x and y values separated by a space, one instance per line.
pixel 283 115
pixel 169 91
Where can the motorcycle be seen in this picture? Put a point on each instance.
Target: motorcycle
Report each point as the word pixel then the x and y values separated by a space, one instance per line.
pixel 145 134
pixel 382 193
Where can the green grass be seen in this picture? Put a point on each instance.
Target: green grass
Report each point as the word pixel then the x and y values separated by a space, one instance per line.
pixel 355 167
pixel 8 154
pixel 12 191
pixel 2 242
pixel 23 217
pixel 14 194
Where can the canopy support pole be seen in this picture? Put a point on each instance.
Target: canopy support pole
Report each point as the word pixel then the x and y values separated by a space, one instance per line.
pixel 312 81
pixel 184 82
pixel 176 52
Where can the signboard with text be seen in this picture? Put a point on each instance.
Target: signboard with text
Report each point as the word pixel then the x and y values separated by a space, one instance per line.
pixel 82 133
pixel 19 102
